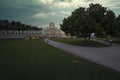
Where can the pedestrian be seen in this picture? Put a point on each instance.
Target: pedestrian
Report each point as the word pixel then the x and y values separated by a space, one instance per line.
pixel 93 36
pixel 47 40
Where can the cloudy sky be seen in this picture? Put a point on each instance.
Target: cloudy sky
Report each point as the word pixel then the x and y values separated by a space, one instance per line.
pixel 41 12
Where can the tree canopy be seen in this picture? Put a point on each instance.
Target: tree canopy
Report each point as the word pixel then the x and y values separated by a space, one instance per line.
pixel 6 25
pixel 95 18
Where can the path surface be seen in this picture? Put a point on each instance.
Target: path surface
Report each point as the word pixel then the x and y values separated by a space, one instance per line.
pixel 107 56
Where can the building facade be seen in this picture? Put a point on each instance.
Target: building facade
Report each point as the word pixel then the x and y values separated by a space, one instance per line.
pixel 52 31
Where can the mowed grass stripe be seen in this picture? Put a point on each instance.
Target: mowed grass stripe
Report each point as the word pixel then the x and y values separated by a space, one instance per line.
pixel 114 40
pixel 36 60
pixel 80 42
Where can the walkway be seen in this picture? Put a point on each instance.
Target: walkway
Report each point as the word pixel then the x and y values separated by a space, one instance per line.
pixel 107 56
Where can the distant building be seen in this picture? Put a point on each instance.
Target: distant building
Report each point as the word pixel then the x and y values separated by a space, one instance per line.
pixel 52 31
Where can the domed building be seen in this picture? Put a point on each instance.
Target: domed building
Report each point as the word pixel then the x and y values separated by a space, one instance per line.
pixel 52 31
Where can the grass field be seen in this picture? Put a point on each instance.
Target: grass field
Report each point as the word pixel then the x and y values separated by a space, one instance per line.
pixel 80 42
pixel 114 40
pixel 35 60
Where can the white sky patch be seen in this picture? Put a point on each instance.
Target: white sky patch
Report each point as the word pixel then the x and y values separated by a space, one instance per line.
pixel 105 3
pixel 62 4
pixel 111 4
pixel 78 3
pixel 65 13
pixel 44 25
pixel 46 1
pixel 115 7
pixel 65 4
pixel 43 15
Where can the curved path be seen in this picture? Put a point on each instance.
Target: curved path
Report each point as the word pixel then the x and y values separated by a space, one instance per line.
pixel 107 56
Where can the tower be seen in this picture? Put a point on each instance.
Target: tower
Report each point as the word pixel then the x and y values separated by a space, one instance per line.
pixel 51 24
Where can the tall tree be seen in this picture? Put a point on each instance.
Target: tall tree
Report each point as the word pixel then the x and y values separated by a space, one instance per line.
pixel 117 25
pixel 14 26
pixel 97 11
pixel 109 23
pixel 95 18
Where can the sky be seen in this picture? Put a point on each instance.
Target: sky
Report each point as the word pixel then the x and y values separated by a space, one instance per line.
pixel 41 12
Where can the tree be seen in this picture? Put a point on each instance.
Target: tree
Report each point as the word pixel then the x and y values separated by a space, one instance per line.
pixel 95 18
pixel 14 26
pixel 109 23
pixel 117 25
pixel 97 12
pixel 81 21
pixel 65 26
pixel 18 26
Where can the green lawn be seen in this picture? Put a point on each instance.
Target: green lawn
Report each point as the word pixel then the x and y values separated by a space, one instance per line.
pixel 35 60
pixel 114 40
pixel 80 42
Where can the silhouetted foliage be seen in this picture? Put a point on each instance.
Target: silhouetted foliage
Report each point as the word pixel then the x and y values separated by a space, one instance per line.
pixel 7 26
pixel 95 18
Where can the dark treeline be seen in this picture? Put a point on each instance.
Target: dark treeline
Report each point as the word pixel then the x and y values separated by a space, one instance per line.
pixel 95 18
pixel 15 27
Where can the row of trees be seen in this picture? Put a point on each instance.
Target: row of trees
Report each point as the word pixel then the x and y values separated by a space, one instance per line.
pixel 95 18
pixel 7 26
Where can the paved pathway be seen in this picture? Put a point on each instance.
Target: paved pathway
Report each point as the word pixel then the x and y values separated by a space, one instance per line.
pixel 107 56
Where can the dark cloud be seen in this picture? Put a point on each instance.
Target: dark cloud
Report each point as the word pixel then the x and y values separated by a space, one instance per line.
pixel 25 10
pixel 21 10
